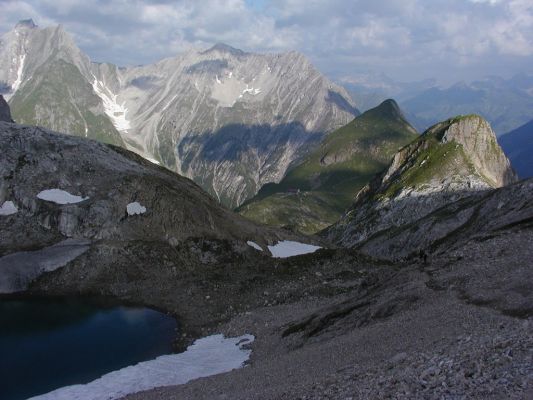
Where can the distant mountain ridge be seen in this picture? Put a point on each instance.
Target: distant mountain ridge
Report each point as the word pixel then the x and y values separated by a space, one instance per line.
pixel 316 192
pixel 230 120
pixel 505 103
pixel 518 145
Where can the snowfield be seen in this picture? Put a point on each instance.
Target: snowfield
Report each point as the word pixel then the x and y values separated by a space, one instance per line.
pixel 115 111
pixel 288 248
pixel 8 208
pixel 207 356
pixel 135 208
pixel 59 196
pixel 254 245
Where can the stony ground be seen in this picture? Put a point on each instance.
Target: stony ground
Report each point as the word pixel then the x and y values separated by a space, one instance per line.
pixel 456 327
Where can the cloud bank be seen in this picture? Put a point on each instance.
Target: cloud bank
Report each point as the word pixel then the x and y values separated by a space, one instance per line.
pixel 407 39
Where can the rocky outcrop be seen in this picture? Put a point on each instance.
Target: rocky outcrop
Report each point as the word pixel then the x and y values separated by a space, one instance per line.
pixel 5 113
pixel 81 217
pixel 58 186
pixel 230 120
pixel 456 159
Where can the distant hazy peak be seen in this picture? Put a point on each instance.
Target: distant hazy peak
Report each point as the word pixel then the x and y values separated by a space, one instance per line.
pixel 225 48
pixel 25 24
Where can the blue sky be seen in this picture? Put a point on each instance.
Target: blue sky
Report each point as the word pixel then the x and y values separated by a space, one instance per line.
pixel 450 40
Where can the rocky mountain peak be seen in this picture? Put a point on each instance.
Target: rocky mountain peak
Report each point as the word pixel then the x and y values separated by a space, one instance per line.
pixel 388 110
pixel 225 48
pixel 479 142
pixel 5 113
pixel 454 159
pixel 25 24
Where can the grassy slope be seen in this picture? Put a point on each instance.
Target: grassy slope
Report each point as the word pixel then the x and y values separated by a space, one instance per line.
pixel 329 177
pixel 59 87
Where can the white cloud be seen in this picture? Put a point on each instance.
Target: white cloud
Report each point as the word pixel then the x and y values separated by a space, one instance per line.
pixel 395 36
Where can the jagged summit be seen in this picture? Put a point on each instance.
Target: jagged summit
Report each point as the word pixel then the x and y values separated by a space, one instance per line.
pixel 225 48
pixel 25 24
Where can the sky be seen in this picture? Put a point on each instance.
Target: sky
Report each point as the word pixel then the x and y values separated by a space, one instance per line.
pixel 408 40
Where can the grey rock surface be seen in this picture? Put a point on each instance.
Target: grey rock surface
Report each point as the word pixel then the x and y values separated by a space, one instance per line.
pixel 107 180
pixel 456 326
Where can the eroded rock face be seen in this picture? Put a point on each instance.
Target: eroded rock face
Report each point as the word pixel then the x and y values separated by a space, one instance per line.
pixel 452 160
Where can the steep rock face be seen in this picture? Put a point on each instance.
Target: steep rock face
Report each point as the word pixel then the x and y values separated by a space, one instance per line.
pixel 518 146
pixel 315 193
pixel 5 112
pixel 230 120
pixel 482 214
pixel 454 159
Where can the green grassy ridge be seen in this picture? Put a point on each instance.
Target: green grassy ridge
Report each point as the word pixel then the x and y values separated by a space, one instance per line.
pixel 306 212
pixel 358 151
pixel 59 87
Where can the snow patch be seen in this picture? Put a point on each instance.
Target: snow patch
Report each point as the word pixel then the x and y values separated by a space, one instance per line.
pixel 59 196
pixel 288 248
pixel 135 208
pixel 18 81
pixel 205 357
pixel 152 160
pixel 251 91
pixel 8 208
pixel 254 245
pixel 116 112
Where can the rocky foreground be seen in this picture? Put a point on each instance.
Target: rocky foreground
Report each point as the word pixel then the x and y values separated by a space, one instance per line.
pixel 450 318
pixel 458 326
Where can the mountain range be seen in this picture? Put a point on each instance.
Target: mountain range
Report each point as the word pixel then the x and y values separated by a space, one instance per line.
pixel 232 121
pixel 505 103
pixel 518 145
pixel 447 227
pixel 317 191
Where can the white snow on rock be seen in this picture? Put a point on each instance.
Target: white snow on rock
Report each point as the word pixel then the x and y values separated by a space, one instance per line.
pixel 135 208
pixel 116 112
pixel 205 357
pixel 254 245
pixel 8 208
pixel 59 196
pixel 288 248
pixel 152 160
pixel 18 81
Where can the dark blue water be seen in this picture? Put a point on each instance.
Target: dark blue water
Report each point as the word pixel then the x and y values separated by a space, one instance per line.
pixel 46 344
